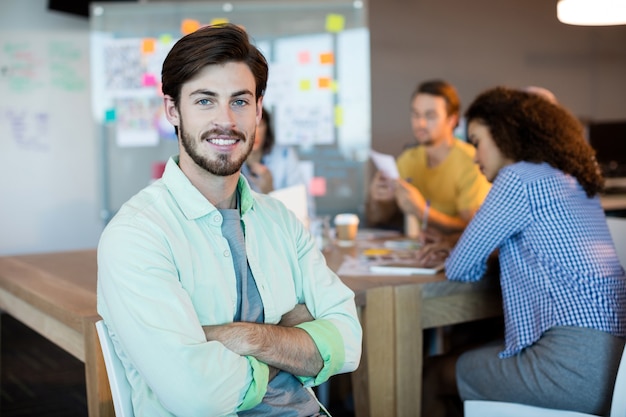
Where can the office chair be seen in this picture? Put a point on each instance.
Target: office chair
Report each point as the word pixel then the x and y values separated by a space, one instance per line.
pixel 476 408
pixel 120 388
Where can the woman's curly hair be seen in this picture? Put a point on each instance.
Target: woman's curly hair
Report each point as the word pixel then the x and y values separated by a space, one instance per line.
pixel 527 127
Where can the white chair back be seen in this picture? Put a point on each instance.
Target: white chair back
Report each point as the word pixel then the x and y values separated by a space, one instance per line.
pixel 120 388
pixel 617 227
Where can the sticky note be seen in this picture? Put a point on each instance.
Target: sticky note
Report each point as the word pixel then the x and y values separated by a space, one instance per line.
pixel 317 186
pixel 304 57
pixel 149 80
pixel 148 45
pixel 305 85
pixel 327 58
pixel 335 22
pixel 165 38
pixel 189 26
pixel 218 21
pixel 338 116
pixel 109 115
pixel 323 82
pixel 334 86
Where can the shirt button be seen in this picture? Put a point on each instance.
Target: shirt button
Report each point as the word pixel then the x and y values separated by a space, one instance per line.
pixel 226 254
pixel 216 219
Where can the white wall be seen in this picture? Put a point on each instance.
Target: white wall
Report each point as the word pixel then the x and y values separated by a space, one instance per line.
pixel 48 162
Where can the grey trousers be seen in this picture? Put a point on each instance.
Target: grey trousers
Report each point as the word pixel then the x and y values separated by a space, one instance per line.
pixel 569 368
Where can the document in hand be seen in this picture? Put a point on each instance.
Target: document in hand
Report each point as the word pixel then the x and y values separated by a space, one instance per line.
pixel 385 164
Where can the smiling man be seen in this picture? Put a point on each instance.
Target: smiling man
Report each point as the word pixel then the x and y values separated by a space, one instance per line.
pixel 216 298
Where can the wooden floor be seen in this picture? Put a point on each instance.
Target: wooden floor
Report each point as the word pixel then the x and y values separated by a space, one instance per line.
pixel 39 379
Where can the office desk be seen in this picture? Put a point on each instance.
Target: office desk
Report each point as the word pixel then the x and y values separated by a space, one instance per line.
pixel 55 294
pixel 394 311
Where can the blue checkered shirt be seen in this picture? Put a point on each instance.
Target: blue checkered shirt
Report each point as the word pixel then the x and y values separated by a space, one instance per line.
pixel 558 264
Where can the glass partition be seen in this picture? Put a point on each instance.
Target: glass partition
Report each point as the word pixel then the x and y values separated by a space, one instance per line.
pixel 318 89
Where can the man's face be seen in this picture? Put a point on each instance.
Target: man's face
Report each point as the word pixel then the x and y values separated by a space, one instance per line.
pixel 429 119
pixel 217 117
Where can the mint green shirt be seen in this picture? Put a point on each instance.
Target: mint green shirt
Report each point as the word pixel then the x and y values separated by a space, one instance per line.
pixel 165 270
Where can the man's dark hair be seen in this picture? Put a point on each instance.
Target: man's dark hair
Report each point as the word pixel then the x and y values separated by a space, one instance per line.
pixel 211 45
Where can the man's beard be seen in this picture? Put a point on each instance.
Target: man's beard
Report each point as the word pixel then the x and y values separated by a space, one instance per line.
pixel 221 166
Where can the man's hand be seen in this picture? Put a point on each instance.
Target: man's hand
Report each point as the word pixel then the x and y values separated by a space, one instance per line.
pixel 281 346
pixel 409 199
pixel 433 254
pixel 299 314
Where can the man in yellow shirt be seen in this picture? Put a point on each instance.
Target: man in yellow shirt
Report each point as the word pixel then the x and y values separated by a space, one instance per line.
pixel 438 173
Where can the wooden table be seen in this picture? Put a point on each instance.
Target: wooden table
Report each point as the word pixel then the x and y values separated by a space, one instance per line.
pixel 55 294
pixel 394 311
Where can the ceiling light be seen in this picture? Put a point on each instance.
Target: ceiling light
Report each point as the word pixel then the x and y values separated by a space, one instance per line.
pixel 592 12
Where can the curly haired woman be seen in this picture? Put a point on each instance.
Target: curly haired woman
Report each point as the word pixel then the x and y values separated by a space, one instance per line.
pixel 563 288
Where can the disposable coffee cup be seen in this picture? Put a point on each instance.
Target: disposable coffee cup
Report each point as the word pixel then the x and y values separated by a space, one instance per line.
pixel 346 227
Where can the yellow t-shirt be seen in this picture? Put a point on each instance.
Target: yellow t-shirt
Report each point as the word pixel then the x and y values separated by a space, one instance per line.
pixel 452 186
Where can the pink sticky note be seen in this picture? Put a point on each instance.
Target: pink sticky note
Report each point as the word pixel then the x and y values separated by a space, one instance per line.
pixel 304 57
pixel 149 80
pixel 317 186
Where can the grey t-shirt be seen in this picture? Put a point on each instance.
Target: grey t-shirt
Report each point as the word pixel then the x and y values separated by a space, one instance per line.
pixel 285 395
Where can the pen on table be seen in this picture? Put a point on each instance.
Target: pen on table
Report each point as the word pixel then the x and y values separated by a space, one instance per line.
pixel 425 218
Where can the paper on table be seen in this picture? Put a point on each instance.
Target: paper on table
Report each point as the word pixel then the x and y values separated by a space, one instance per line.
pixel 385 164
pixel 295 198
pixel 404 269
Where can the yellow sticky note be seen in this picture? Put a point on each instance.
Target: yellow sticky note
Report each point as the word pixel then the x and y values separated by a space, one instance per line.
pixel 148 45
pixel 338 116
pixel 334 86
pixel 335 22
pixel 165 38
pixel 218 21
pixel 189 26
pixel 305 85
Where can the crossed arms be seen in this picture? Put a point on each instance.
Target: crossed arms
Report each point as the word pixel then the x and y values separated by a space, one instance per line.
pixel 281 346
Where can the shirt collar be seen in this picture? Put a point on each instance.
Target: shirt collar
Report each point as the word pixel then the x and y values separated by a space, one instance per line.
pixel 191 202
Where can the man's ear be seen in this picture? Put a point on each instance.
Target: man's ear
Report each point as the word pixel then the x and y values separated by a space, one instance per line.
pixel 259 110
pixel 171 110
pixel 453 120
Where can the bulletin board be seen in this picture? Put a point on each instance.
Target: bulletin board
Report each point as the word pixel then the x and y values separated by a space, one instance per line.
pixel 318 88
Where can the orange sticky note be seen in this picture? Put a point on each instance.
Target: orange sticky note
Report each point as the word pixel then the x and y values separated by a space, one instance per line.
pixel 149 80
pixel 189 26
pixel 335 22
pixel 305 85
pixel 147 45
pixel 327 58
pixel 317 186
pixel 304 57
pixel 323 82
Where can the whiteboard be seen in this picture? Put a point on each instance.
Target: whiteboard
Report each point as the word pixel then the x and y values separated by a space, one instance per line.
pixel 48 182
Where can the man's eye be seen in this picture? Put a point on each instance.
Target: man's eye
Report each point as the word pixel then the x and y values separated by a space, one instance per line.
pixel 240 103
pixel 203 101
